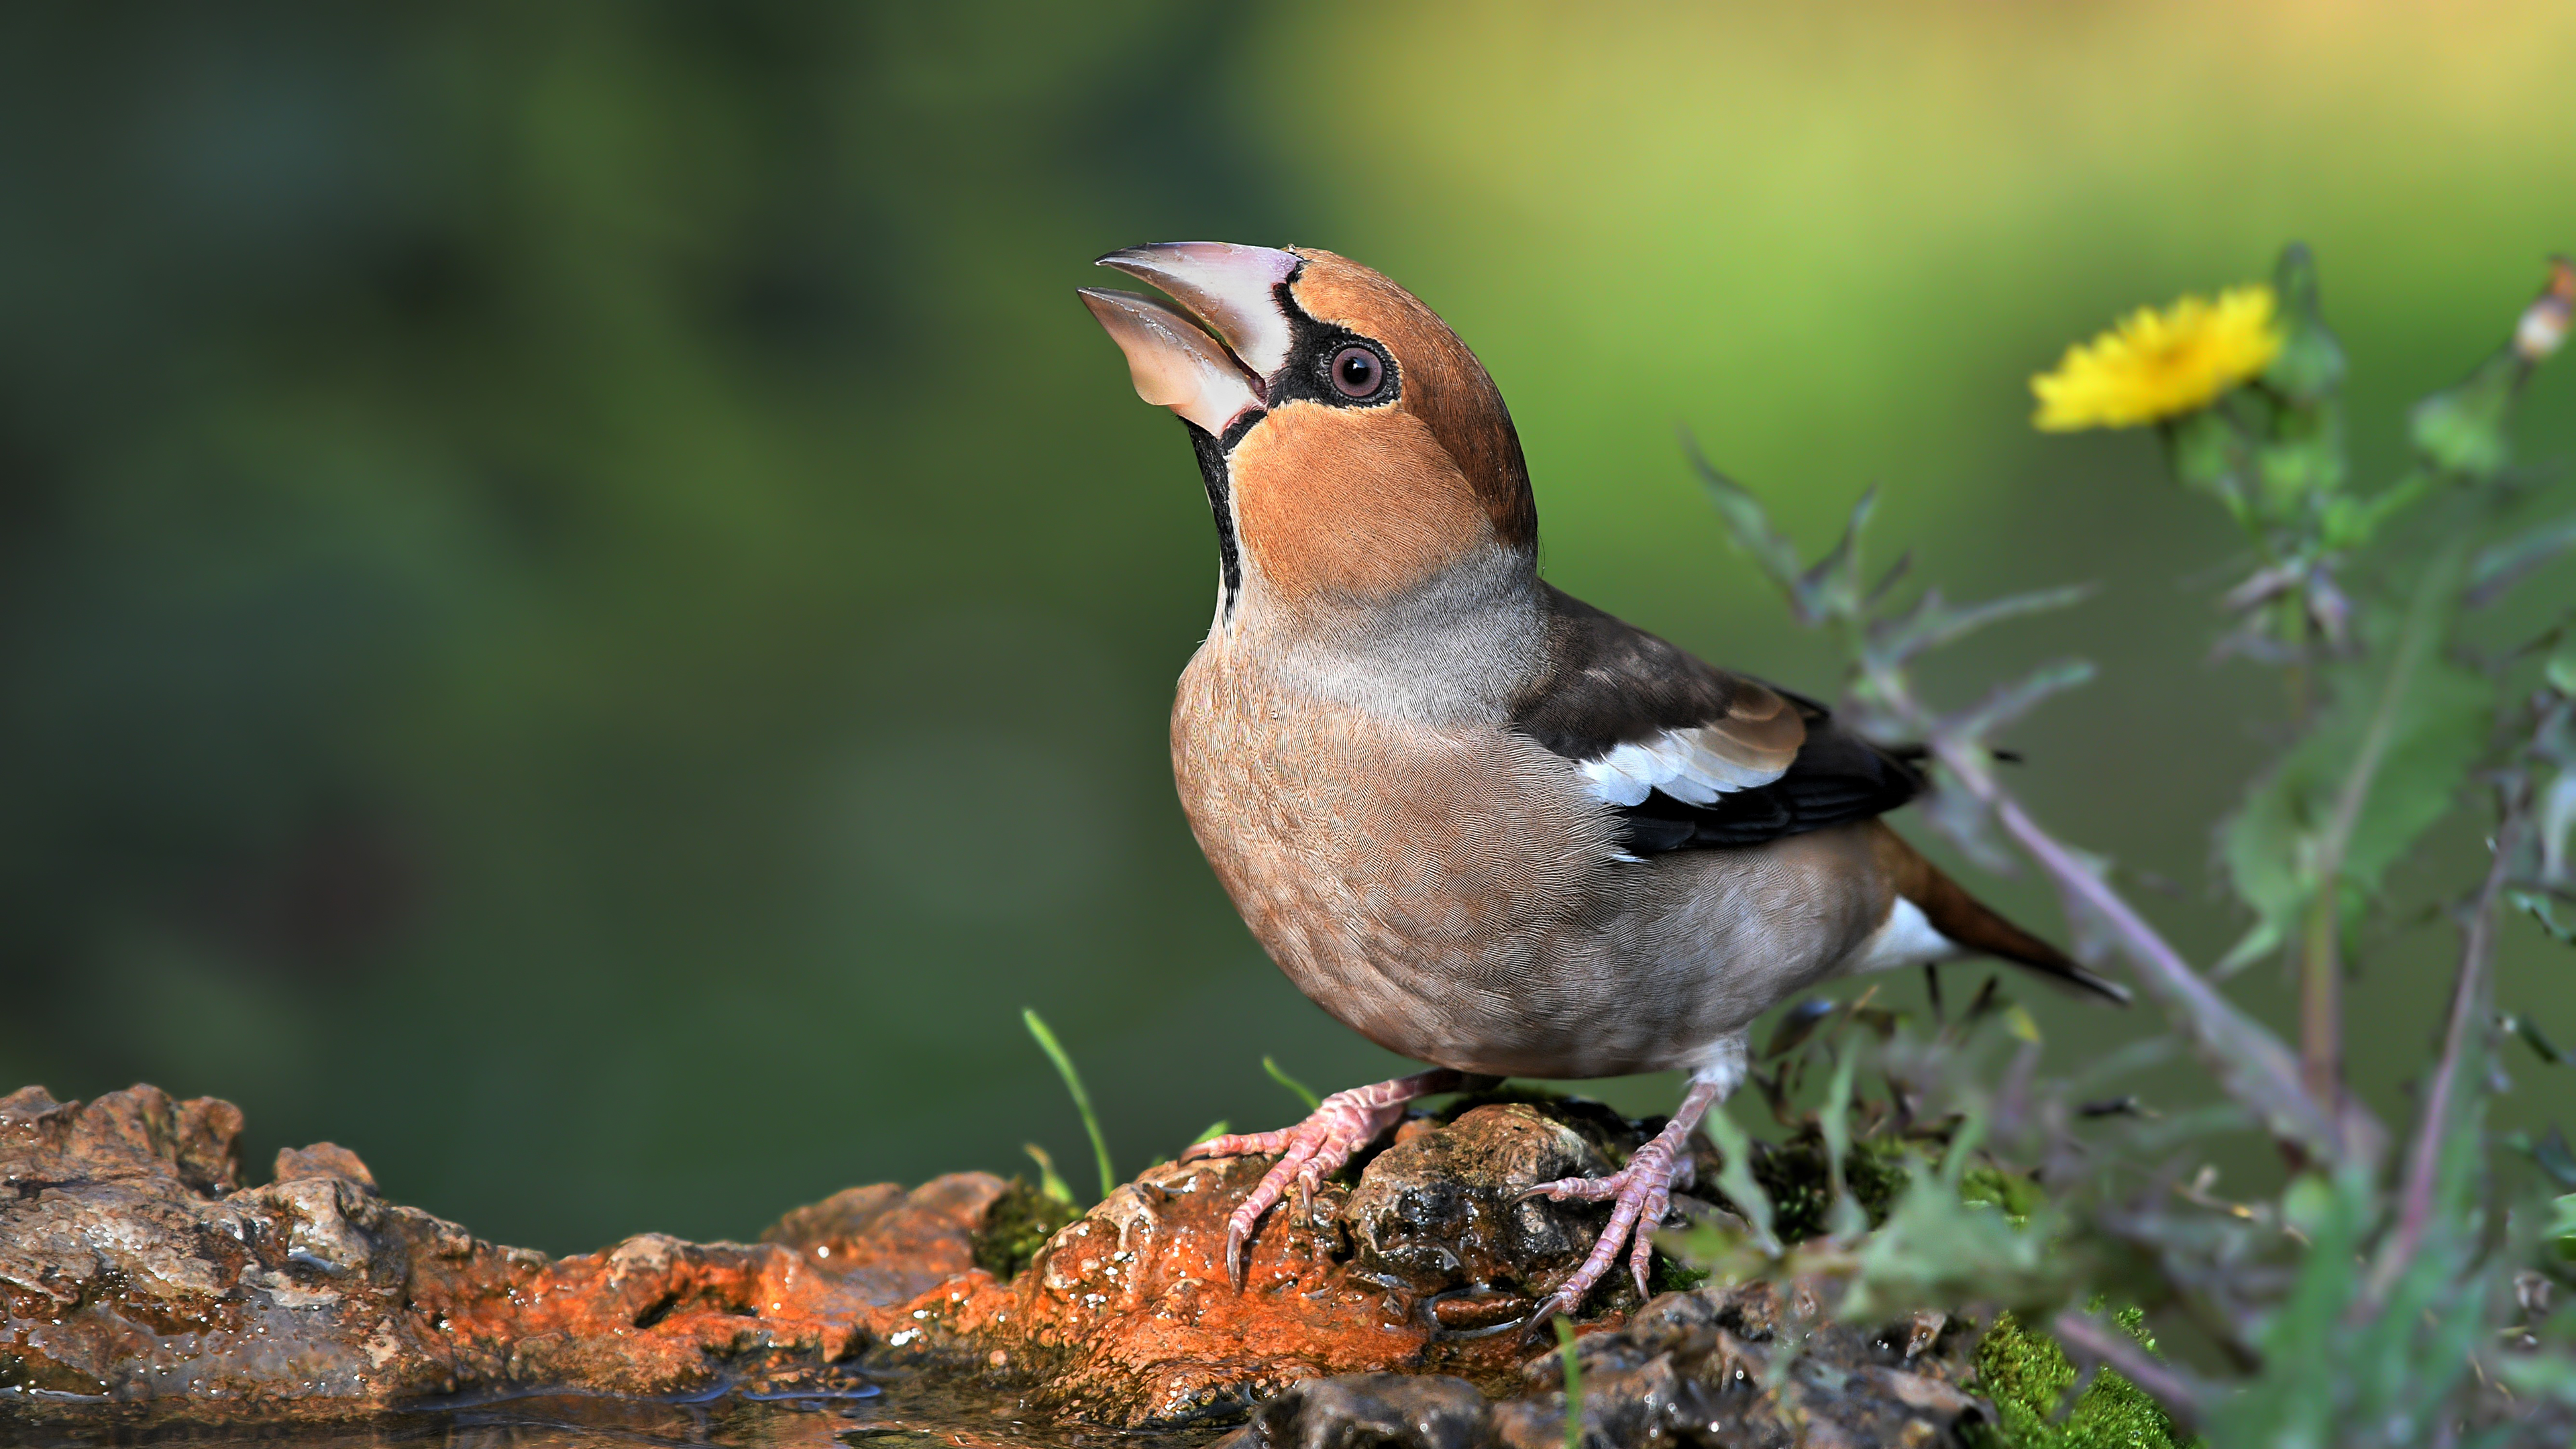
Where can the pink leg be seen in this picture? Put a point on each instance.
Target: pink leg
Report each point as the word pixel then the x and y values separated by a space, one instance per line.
pixel 1314 1149
pixel 1641 1193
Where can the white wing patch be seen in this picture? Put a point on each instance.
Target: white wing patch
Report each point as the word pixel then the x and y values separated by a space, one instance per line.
pixel 1677 762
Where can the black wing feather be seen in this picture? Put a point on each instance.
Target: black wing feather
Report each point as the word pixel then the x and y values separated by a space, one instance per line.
pixel 1609 683
pixel 1837 778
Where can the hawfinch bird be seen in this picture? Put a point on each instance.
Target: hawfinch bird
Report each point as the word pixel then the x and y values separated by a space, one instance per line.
pixel 1482 823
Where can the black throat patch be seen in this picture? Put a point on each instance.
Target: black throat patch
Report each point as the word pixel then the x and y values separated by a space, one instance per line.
pixel 1211 452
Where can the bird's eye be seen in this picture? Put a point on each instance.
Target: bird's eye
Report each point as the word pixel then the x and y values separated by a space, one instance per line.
pixel 1358 372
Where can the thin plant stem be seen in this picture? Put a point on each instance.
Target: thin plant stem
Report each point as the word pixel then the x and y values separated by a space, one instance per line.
pixel 2240 1049
pixel 2321 948
pixel 2467 1014
pixel 2321 989
pixel 2295 633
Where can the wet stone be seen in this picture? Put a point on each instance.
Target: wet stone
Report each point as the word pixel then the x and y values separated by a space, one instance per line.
pixel 1691 1369
pixel 1363 1411
pixel 141 1281
pixel 322 1159
pixel 891 1245
pixel 1442 1215
pixel 139 1277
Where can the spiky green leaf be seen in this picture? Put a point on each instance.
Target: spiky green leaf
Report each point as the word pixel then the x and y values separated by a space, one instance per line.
pixel 2518 1025
pixel 1933 621
pixel 2011 701
pixel 2460 430
pixel 1749 524
pixel 1937 1248
pixel 2540 908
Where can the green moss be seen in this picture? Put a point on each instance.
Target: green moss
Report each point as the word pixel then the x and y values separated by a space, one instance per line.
pixel 2017 1195
pixel 1018 1224
pixel 1671 1275
pixel 1800 1182
pixel 2026 1374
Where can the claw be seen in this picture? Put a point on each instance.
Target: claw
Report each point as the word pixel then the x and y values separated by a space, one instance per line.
pixel 1640 1194
pixel 1311 1151
pixel 1555 1305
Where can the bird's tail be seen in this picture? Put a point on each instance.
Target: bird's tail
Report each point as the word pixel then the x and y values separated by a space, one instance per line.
pixel 1969 922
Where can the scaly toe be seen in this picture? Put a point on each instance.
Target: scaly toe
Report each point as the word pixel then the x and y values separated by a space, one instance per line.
pixel 1239 1144
pixel 1640 1193
pixel 1246 1217
pixel 1579 1189
pixel 1312 1151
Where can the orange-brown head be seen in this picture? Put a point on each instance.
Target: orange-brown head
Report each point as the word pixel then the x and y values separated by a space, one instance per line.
pixel 1353 448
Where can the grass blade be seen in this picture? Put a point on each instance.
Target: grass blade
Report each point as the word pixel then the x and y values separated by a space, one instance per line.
pixel 1303 1092
pixel 1573 1385
pixel 1081 1099
pixel 1050 1182
pixel 1735 1178
pixel 1848 1219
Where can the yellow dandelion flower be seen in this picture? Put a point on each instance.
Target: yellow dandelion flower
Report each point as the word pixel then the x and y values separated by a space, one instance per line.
pixel 2157 365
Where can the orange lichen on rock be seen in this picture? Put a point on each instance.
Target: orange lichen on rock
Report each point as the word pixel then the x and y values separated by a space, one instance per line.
pixel 1126 1317
pixel 1129 1314
pixel 313 1295
pixel 138 1277
pixel 134 1269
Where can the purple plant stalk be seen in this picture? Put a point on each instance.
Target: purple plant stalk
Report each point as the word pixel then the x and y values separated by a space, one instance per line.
pixel 2257 1068
pixel 2087 1337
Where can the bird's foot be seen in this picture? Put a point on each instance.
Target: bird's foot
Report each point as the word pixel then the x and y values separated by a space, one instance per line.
pixel 1313 1150
pixel 1639 1193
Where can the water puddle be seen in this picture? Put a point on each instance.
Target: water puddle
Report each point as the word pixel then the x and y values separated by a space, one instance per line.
pixel 900 1413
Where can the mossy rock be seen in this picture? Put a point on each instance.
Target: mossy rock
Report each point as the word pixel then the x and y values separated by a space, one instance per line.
pixel 1016 1226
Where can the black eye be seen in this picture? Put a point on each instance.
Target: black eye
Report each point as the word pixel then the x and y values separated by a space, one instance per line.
pixel 1357 372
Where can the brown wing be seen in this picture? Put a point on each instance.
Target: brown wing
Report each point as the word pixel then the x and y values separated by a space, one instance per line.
pixel 1694 756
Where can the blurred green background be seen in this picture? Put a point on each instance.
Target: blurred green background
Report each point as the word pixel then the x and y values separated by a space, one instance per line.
pixel 583 612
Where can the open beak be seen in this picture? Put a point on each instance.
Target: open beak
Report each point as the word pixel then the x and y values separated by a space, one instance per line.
pixel 1233 291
